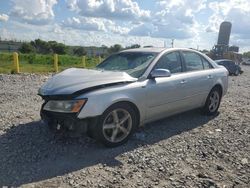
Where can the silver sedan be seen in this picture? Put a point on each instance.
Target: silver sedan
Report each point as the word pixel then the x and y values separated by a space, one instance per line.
pixel 131 88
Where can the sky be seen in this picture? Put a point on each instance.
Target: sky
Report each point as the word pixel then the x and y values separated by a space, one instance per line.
pixel 191 23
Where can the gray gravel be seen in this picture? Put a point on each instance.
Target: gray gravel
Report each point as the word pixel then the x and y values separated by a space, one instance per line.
pixel 187 150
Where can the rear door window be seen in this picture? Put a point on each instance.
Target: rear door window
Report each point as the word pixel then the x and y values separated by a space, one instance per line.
pixel 193 61
pixel 206 64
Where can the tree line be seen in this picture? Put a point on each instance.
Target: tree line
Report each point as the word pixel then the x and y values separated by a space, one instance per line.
pixel 49 47
pixel 246 54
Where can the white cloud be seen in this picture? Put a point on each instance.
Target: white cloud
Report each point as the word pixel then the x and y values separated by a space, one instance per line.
pixel 89 24
pixel 94 24
pixel 174 19
pixel 142 29
pixel 4 17
pixel 111 9
pixel 238 13
pixel 37 12
pixel 117 29
pixel 161 31
pixel 183 5
pixel 97 22
pixel 240 22
pixel 72 36
pixel 235 11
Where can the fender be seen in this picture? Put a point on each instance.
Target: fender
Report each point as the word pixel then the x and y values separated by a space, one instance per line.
pixel 98 103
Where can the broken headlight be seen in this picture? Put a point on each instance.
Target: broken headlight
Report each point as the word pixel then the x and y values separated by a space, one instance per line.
pixel 66 106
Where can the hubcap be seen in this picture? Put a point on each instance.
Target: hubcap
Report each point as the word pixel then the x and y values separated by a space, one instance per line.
pixel 117 125
pixel 214 101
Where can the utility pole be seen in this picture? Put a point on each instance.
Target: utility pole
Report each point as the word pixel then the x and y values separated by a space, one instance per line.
pixel 172 43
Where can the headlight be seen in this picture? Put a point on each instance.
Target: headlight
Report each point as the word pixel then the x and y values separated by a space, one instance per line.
pixel 66 106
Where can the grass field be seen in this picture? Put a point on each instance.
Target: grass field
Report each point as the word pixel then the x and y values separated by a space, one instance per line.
pixel 37 63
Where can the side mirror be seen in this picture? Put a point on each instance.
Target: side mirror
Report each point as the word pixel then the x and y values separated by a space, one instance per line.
pixel 160 73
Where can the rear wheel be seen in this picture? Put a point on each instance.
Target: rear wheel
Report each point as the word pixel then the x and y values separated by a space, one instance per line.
pixel 237 72
pixel 213 101
pixel 116 125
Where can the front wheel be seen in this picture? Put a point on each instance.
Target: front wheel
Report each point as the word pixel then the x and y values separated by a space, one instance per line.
pixel 213 102
pixel 116 125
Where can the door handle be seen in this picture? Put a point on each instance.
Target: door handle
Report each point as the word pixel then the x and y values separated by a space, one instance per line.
pixel 209 76
pixel 183 81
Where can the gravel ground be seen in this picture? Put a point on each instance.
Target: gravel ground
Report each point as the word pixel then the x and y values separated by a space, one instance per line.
pixel 186 150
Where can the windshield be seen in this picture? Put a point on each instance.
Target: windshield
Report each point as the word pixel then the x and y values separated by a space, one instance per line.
pixel 133 63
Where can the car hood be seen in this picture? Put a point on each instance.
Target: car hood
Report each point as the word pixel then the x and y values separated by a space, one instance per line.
pixel 74 80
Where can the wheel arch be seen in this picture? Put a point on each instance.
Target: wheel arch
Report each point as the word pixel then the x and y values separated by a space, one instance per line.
pixel 131 104
pixel 222 84
pixel 219 86
pixel 206 107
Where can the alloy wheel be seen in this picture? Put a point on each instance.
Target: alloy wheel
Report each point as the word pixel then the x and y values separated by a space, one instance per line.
pixel 117 125
pixel 214 101
pixel 237 72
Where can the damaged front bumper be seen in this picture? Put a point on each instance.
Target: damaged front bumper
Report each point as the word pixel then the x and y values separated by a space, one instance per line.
pixel 65 121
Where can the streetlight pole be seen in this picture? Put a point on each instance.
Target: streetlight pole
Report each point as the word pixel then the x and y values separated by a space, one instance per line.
pixel 172 43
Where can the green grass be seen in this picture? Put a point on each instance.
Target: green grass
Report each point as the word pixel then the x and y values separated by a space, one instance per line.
pixel 37 63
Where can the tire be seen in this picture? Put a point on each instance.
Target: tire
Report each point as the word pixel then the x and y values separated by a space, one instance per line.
pixel 213 102
pixel 116 125
pixel 237 72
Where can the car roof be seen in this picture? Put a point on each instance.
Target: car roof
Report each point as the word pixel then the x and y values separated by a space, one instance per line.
pixel 156 49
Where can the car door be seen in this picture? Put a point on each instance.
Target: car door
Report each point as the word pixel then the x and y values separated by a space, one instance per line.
pixel 199 78
pixel 164 94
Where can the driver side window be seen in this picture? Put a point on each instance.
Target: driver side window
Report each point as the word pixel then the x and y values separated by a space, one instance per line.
pixel 170 61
